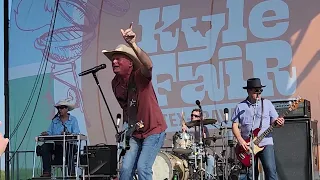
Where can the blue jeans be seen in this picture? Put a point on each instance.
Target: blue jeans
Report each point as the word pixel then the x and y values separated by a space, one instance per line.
pixel 209 167
pixel 141 156
pixel 267 159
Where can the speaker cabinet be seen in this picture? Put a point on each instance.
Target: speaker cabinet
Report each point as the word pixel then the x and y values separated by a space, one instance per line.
pixel 296 150
pixel 102 159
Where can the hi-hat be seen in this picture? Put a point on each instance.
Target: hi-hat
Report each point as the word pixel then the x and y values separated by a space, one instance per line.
pixel 213 138
pixel 197 123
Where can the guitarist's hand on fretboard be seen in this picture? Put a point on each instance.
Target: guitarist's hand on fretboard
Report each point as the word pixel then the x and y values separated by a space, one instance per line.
pixel 279 122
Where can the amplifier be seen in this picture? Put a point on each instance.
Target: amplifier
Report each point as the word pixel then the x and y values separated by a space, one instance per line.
pixel 303 110
pixel 102 159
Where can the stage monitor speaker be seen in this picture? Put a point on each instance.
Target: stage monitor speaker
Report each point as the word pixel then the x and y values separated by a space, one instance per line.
pixel 102 159
pixel 296 150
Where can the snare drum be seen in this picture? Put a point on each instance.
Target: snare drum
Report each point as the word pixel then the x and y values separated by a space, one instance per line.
pixel 166 165
pixel 182 143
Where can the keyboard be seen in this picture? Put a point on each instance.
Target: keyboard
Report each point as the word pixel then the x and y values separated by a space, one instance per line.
pixel 73 137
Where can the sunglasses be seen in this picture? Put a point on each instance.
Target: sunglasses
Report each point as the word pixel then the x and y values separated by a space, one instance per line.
pixel 258 90
pixel 194 115
pixel 62 107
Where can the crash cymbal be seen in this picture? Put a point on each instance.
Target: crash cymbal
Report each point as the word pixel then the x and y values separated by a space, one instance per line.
pixel 197 123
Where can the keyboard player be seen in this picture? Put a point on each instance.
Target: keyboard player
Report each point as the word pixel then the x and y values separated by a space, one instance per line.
pixel 62 122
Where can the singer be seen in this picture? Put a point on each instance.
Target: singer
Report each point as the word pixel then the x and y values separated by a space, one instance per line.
pixel 134 91
pixel 62 122
pixel 265 114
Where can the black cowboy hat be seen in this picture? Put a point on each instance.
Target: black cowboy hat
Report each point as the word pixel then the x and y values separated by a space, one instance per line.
pixel 253 83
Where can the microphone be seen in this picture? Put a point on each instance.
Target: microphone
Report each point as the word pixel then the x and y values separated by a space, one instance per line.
pixel 118 119
pixel 55 115
pixel 198 103
pixel 65 129
pixel 226 114
pixel 93 70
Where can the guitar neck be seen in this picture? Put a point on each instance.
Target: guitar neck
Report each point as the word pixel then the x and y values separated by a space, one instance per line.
pixel 270 129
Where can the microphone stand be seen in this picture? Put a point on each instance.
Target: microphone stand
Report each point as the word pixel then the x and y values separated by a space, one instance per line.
pixel 104 99
pixel 64 150
pixel 119 153
pixel 105 102
pixel 224 149
pixel 251 139
pixel 201 141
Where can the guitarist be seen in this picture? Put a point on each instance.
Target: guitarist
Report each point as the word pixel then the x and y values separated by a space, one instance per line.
pixel 134 91
pixel 265 114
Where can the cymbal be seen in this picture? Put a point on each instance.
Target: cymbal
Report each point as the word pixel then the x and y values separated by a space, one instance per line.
pixel 213 138
pixel 197 123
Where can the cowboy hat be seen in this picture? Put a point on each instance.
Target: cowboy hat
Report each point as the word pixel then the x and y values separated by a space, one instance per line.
pixel 65 102
pixel 253 83
pixel 123 49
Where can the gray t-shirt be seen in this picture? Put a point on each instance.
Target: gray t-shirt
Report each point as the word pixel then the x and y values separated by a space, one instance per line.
pixel 194 131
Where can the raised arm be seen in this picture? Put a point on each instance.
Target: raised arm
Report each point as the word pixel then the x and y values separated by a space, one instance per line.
pixel 130 37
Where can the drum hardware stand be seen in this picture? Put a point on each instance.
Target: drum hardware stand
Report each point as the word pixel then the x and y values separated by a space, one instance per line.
pixel 175 175
pixel 224 153
pixel 201 141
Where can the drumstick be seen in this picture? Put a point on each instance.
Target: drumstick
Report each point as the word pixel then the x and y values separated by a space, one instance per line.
pixel 182 116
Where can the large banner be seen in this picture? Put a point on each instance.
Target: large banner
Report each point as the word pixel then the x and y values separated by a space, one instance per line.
pixel 201 50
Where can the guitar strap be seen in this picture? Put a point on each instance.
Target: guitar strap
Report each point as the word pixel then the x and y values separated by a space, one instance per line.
pixel 261 113
pixel 132 101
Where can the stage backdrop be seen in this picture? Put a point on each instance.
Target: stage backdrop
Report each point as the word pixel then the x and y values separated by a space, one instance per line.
pixel 202 50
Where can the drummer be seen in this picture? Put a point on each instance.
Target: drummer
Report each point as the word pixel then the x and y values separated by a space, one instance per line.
pixel 195 116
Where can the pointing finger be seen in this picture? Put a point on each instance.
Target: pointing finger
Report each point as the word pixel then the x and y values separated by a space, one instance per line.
pixel 130 27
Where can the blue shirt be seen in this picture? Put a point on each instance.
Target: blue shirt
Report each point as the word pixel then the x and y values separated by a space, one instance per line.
pixel 244 113
pixel 56 127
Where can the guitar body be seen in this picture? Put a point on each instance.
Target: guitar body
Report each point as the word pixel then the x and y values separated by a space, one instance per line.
pixel 124 142
pixel 244 156
pixel 125 136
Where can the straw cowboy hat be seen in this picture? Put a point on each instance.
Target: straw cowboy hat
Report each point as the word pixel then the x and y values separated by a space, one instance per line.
pixel 65 102
pixel 253 83
pixel 123 49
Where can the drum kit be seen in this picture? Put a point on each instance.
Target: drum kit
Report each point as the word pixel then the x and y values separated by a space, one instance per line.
pixel 189 158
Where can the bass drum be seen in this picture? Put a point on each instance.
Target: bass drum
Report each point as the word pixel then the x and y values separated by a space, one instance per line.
pixel 167 165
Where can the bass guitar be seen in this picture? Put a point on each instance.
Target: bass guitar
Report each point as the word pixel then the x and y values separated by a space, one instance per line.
pixel 124 137
pixel 245 156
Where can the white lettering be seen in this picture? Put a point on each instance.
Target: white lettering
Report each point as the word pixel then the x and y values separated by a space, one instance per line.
pixel 256 19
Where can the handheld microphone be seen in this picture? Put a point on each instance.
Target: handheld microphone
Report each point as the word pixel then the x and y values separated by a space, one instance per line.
pixel 93 70
pixel 198 103
pixel 118 119
pixel 226 114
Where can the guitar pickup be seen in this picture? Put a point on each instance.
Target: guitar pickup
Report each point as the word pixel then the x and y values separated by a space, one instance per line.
pixel 241 156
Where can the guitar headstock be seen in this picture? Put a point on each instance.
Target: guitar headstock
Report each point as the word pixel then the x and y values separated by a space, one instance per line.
pixel 295 104
pixel 139 125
